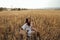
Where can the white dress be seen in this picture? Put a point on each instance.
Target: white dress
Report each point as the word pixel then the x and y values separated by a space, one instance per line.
pixel 27 28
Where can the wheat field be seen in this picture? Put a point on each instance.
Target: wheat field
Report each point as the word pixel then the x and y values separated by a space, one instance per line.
pixel 47 22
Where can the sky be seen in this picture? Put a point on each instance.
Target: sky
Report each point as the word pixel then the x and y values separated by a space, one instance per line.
pixel 31 4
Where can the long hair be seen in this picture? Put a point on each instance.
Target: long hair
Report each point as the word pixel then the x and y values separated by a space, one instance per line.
pixel 26 20
pixel 28 23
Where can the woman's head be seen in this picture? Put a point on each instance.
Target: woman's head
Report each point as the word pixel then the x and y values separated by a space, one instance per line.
pixel 28 20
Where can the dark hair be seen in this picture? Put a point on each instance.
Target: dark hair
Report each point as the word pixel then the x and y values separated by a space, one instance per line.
pixel 26 20
pixel 28 23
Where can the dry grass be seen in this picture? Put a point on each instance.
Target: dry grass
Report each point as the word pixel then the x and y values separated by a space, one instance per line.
pixel 47 22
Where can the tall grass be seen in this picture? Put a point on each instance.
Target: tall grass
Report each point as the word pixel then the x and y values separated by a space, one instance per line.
pixel 47 23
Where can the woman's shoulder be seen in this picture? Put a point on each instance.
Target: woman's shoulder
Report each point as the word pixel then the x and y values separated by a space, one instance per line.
pixel 24 24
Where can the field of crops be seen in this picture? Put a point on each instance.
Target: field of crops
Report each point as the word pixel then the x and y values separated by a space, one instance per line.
pixel 47 22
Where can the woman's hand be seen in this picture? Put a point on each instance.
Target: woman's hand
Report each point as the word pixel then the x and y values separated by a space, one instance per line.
pixel 34 29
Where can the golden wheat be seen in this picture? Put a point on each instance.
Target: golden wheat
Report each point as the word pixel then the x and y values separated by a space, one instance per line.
pixel 47 23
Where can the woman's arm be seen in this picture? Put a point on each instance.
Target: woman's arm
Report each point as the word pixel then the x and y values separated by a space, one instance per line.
pixel 34 29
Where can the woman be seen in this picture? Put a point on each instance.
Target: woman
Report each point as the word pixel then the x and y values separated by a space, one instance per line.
pixel 28 27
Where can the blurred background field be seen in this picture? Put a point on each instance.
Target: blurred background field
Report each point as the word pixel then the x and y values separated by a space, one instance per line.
pixel 47 22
